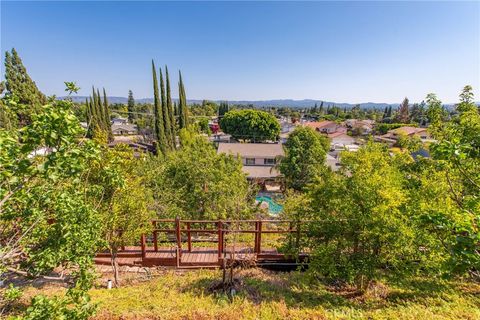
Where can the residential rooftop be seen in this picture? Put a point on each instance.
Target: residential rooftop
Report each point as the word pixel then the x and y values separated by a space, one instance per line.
pixel 407 130
pixel 268 150
pixel 319 124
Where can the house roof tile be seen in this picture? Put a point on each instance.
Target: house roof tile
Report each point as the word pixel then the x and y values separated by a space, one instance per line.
pixel 268 150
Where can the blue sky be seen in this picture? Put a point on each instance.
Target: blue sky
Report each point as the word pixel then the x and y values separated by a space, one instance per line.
pixel 335 51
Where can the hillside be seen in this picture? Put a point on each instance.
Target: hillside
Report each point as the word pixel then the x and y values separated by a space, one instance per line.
pixel 305 103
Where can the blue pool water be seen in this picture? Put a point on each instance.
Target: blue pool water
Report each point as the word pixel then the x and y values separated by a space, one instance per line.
pixel 273 207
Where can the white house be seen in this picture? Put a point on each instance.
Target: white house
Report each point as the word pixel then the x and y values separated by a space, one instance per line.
pixel 341 138
pixel 119 121
pixel 124 129
pixel 258 159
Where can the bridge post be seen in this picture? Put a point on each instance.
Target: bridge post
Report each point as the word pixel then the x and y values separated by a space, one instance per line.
pixel 179 236
pixel 189 237
pixel 143 245
pixel 258 236
pixel 220 238
pixel 155 240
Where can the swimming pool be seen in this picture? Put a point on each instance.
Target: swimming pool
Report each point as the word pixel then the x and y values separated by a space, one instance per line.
pixel 273 207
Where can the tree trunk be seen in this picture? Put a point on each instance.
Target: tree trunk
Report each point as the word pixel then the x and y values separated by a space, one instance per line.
pixel 114 262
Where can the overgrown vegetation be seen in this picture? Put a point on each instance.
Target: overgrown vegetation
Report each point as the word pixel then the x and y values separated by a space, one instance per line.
pixel 383 213
pixel 382 218
pixel 269 295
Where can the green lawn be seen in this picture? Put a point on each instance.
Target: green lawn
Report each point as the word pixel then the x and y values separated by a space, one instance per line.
pixel 267 295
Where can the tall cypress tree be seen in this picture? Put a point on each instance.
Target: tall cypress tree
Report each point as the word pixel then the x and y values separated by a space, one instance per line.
pixel 131 106
pixel 99 123
pixel 166 117
pixel 182 104
pixel 181 122
pixel 159 127
pixel 223 108
pixel 101 111
pixel 87 111
pixel 88 115
pixel 108 125
pixel 92 124
pixel 96 123
pixel 170 111
pixel 321 109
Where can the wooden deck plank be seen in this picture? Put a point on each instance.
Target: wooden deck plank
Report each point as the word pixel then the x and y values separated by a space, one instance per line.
pixel 200 256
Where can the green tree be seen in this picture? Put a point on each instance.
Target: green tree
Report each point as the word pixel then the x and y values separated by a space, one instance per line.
pixel 182 104
pixel 123 201
pixel 19 84
pixel 44 218
pixel 203 125
pixel 250 125
pixel 435 113
pixel 171 114
pixel 98 117
pixel 456 155
pixel 106 117
pixel 161 141
pixel 418 113
pixel 403 115
pixel 224 108
pixel 8 117
pixel 166 117
pixel 358 228
pixel 304 160
pixel 467 103
pixel 321 110
pixel 131 106
pixel 197 183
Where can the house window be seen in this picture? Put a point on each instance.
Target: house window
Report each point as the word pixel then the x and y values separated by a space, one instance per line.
pixel 250 161
pixel 269 161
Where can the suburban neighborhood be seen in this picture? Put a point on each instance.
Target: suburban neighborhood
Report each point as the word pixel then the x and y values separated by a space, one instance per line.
pixel 240 160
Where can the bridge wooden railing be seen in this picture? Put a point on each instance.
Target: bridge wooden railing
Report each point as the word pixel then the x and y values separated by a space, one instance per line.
pixel 220 228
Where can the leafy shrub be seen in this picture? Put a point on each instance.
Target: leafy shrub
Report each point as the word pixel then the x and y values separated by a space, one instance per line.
pixel 252 125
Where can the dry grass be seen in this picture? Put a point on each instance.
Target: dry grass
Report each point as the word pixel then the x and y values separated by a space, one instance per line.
pixel 262 294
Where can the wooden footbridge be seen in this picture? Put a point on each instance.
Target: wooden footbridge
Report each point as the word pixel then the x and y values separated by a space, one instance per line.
pixel 211 244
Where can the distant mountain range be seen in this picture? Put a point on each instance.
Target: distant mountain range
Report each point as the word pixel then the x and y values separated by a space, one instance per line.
pixel 264 103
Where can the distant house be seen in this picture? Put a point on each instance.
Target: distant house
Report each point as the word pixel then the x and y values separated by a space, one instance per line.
pixel 124 129
pixel 119 121
pixel 323 126
pixel 392 136
pixel 336 132
pixel 395 134
pixel 258 159
pixel 340 138
pixel 220 137
pixel 362 127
